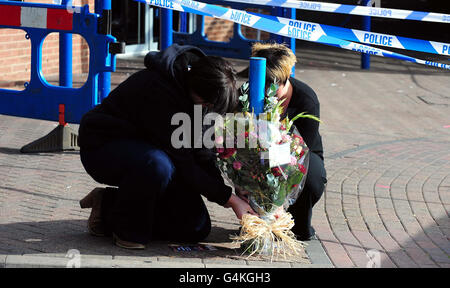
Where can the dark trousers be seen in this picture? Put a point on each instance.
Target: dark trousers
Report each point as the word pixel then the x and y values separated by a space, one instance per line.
pixel 301 210
pixel 148 203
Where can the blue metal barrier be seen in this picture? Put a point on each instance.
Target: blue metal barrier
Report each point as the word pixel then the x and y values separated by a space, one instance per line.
pixel 183 22
pixel 39 99
pixel 65 57
pixel 103 8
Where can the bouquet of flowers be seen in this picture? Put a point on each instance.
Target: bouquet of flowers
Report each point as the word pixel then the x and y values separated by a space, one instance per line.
pixel 267 157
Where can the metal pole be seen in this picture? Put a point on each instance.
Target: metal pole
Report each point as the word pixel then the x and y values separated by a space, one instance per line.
pixel 257 84
pixel 291 13
pixel 258 32
pixel 166 33
pixel 65 57
pixel 104 78
pixel 183 22
pixel 365 58
pixel 139 24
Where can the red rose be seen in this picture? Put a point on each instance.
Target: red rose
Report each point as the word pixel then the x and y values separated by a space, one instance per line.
pixel 302 169
pixel 276 171
pixel 245 134
pixel 302 153
pixel 237 165
pixel 227 153
pixel 298 139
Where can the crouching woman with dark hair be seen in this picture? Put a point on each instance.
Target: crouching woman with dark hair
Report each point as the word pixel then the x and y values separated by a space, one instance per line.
pixel 126 142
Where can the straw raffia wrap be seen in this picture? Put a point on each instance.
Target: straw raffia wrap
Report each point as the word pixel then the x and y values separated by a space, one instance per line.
pixel 269 236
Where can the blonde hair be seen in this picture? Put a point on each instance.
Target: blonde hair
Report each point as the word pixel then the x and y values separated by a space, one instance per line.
pixel 280 60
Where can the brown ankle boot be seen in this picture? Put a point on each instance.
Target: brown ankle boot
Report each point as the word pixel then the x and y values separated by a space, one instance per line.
pixel 94 200
pixel 127 244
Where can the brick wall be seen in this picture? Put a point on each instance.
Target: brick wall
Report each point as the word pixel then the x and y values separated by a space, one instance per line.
pixel 251 33
pixel 15 55
pixel 218 29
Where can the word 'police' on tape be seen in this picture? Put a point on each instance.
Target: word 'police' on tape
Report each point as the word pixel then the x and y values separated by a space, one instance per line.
pixel 372 38
pixel 353 10
pixel 305 30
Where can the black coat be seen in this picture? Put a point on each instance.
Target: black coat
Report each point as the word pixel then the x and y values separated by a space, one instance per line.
pixel 304 99
pixel 142 108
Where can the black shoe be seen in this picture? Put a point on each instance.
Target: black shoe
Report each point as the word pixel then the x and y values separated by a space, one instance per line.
pixel 309 237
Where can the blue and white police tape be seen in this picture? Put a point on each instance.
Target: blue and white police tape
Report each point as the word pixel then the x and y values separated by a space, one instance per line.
pixel 372 38
pixel 366 37
pixel 353 10
pixel 306 31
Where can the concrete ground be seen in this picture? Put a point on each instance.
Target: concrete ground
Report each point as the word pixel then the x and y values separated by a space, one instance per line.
pixel 386 135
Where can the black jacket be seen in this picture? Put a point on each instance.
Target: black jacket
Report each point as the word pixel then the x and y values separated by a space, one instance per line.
pixel 142 108
pixel 304 99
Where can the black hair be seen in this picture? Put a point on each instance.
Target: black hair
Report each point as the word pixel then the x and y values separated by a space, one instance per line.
pixel 213 79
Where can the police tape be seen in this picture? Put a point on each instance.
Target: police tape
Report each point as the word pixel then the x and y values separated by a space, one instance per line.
pixel 305 31
pixel 353 10
pixel 372 38
pixel 368 37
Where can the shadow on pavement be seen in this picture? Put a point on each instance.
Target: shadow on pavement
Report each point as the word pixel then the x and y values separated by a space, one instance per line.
pixel 58 237
pixel 429 248
pixel 15 151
